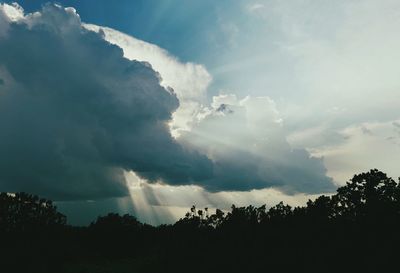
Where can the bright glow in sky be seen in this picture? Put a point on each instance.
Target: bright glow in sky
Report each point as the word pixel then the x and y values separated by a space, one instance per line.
pixel 287 99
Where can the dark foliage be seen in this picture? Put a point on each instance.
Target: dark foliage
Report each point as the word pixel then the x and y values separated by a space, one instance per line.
pixel 355 230
pixel 25 212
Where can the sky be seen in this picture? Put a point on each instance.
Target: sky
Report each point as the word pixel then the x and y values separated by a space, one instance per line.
pixel 148 107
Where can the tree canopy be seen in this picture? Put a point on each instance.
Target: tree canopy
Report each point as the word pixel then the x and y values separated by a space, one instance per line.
pixel 355 229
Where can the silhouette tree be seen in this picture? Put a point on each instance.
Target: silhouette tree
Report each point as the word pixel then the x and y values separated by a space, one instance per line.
pixel 321 209
pixel 355 229
pixel 279 212
pixel 215 220
pixel 367 195
pixel 26 212
pixel 114 222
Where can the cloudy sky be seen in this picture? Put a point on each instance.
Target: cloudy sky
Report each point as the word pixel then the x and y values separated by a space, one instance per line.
pixel 147 107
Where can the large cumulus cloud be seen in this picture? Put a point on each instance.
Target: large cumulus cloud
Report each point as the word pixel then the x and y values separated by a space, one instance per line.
pixel 75 113
pixel 246 141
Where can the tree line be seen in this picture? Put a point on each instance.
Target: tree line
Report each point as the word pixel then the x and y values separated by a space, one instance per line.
pixel 356 229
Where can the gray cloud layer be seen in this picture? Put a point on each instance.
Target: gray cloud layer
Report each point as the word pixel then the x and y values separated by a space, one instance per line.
pixel 74 113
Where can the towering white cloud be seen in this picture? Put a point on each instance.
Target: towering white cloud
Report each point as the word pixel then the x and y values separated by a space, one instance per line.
pixel 247 144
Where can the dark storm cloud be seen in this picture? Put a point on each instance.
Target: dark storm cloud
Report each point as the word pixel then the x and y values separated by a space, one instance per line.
pixel 243 171
pixel 74 113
